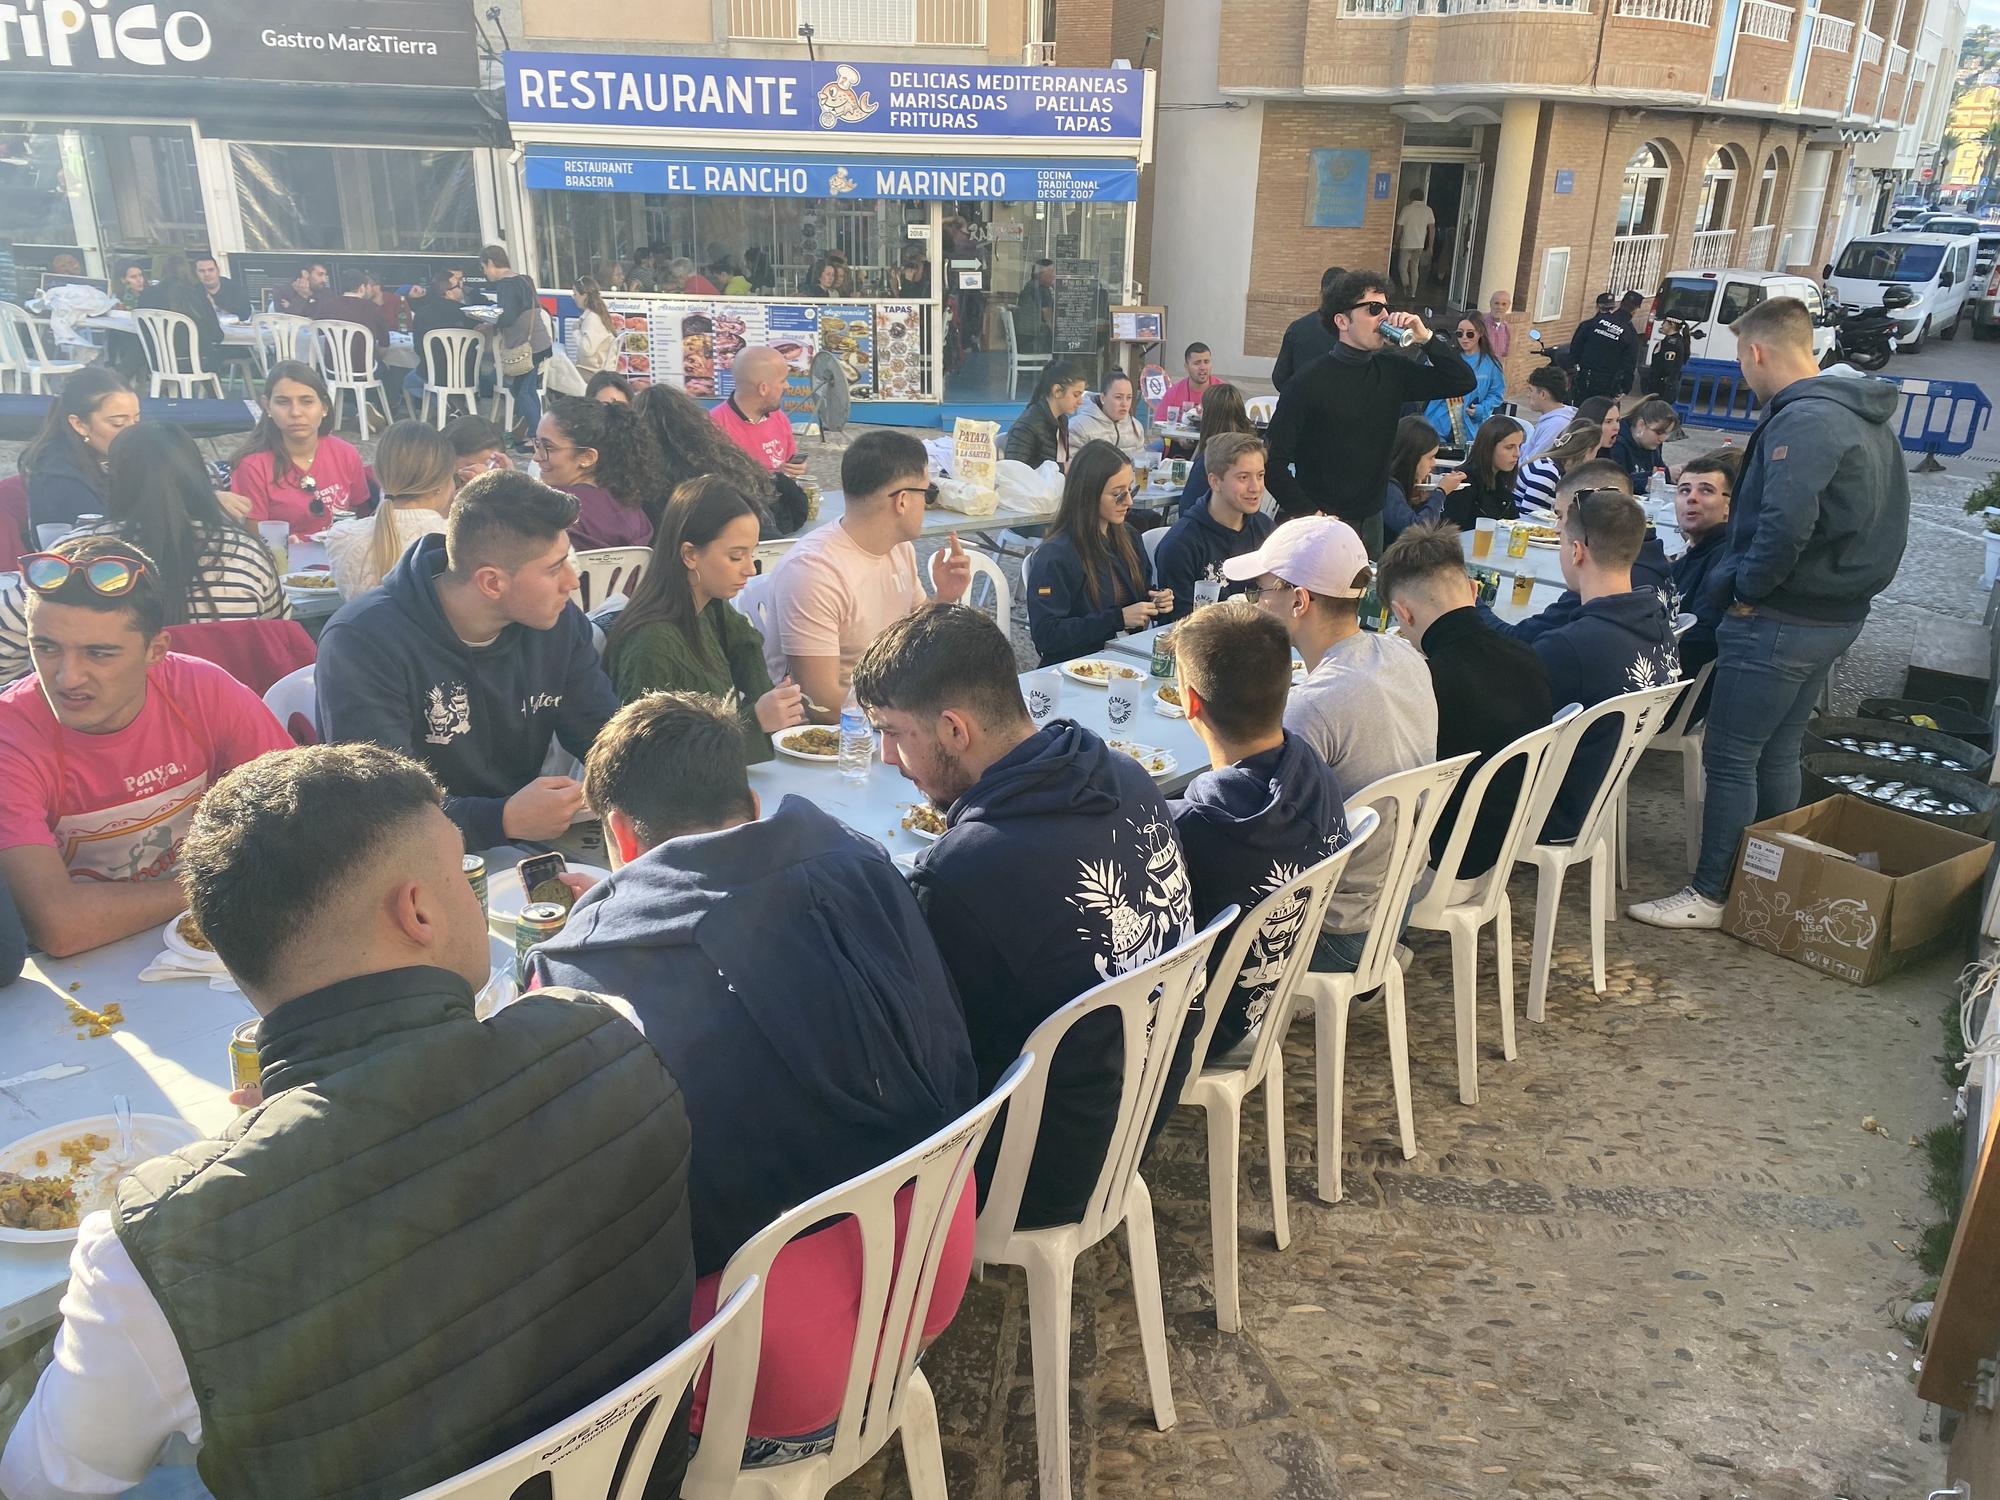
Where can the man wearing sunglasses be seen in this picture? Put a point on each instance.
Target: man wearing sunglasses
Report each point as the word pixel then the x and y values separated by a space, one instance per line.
pixel 1335 426
pixel 842 585
pixel 105 751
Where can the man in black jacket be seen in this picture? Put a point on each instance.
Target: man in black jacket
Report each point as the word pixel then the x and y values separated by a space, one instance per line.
pixel 449 1219
pixel 1491 689
pixel 1704 574
pixel 1306 338
pixel 1816 530
pixel 1606 351
pixel 1331 437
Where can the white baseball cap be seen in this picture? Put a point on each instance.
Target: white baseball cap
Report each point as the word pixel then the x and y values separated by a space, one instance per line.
pixel 1322 554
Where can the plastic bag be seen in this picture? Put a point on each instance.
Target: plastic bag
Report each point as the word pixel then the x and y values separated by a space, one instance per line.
pixel 966 498
pixel 1023 488
pixel 560 374
pixel 975 448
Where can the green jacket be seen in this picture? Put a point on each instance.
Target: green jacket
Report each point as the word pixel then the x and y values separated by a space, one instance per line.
pixel 658 658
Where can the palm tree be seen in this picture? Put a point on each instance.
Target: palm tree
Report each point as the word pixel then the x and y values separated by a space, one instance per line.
pixel 1947 152
pixel 1990 141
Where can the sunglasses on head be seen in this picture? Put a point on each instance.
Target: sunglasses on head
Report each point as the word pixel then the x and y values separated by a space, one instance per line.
pixel 110 574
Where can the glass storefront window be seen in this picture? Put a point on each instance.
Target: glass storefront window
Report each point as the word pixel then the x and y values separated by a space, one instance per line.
pixel 373 199
pixel 93 194
pixel 628 240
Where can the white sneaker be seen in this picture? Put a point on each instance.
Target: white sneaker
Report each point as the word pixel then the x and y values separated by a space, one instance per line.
pixel 1687 907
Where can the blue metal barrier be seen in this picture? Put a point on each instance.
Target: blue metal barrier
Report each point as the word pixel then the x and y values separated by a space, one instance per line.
pixel 1937 416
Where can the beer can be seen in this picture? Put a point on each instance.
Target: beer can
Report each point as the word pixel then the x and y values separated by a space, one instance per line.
pixel 475 871
pixel 536 924
pixel 1163 654
pixel 1391 334
pixel 243 1070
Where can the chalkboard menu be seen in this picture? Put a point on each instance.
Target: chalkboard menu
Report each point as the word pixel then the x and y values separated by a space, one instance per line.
pixel 1078 300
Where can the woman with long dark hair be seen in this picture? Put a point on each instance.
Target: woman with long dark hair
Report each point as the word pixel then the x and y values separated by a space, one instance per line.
pixel 64 465
pixel 1491 469
pixel 1092 578
pixel 1411 497
pixel 1457 426
pixel 596 342
pixel 294 468
pixel 416 466
pixel 679 633
pixel 1602 410
pixel 1222 410
pixel 1041 432
pixel 604 454
pixel 693 447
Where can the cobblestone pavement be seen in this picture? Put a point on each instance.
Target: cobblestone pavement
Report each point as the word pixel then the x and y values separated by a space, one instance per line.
pixel 1658 1257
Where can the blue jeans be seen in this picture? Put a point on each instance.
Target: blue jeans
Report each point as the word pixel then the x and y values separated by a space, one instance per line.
pixel 1768 675
pixel 527 393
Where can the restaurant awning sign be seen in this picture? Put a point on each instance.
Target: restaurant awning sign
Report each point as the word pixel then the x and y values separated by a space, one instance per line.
pixel 825 100
pixel 747 175
pixel 292 41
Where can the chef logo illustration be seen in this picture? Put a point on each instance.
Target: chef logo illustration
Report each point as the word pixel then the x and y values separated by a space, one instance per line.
pixel 842 101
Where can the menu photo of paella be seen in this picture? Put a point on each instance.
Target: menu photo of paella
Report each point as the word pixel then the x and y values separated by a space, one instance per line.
pixel 848 334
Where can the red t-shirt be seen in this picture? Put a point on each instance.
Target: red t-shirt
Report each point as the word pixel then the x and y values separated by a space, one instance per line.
pixel 116 806
pixel 1186 398
pixel 277 492
pixel 770 441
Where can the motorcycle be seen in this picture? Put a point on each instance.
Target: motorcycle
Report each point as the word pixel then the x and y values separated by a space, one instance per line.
pixel 1865 337
pixel 1559 355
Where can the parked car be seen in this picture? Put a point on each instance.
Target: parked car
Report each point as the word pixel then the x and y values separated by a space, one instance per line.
pixel 1986 254
pixel 1708 302
pixel 1936 267
pixel 1945 223
pixel 1986 306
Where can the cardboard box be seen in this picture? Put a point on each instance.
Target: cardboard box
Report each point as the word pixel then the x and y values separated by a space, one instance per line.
pixel 1879 887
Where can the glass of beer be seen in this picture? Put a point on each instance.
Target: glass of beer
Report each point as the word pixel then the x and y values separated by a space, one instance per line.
pixel 1524 586
pixel 1482 537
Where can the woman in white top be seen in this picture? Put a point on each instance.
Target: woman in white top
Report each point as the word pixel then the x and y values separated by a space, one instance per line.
pixel 414 464
pixel 158 497
pixel 1109 416
pixel 596 343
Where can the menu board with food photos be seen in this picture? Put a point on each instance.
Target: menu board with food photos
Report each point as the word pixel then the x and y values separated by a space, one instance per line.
pixel 899 351
pixel 694 344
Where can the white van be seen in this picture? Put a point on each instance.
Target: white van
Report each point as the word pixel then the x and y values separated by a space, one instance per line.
pixel 1709 302
pixel 1936 267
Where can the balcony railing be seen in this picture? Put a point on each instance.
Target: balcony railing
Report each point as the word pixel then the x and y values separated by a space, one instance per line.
pixel 1763 19
pixel 1635 262
pixel 1685 12
pixel 1757 247
pixel 1396 10
pixel 1712 248
pixel 1899 60
pixel 1832 34
pixel 881 23
pixel 1038 55
pixel 1871 49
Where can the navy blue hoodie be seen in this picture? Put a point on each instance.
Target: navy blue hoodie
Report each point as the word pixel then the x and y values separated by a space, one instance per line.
pixel 1065 619
pixel 1246 830
pixel 393 672
pixel 783 972
pixel 1059 869
pixel 1198 543
pixel 1618 644
pixel 1650 570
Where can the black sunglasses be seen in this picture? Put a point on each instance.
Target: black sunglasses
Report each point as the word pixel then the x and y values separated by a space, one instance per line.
pixel 1375 309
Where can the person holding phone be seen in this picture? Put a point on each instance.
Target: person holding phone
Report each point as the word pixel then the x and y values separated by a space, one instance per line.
pixel 1091 579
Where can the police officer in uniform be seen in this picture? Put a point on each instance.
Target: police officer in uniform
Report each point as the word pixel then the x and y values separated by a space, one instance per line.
pixel 1606 350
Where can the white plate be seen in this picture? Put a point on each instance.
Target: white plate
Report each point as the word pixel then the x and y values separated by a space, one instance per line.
pixel 1166 709
pixel 182 949
pixel 917 833
pixel 1167 764
pixel 780 741
pixel 152 1135
pixel 1070 670
pixel 504 898
pixel 293 587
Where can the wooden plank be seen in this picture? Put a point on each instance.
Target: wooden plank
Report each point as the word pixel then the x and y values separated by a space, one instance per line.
pixel 1965 1324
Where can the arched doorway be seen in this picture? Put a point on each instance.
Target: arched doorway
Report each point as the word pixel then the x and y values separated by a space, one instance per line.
pixel 1638 237
pixel 1714 241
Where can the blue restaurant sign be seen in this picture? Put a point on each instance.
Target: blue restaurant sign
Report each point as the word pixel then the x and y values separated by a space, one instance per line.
pixel 826 100
pixel 593 169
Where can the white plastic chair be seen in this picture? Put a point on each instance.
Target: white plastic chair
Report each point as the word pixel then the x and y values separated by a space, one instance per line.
pixel 277 337
pixel 164 334
pixel 582 1456
pixel 1151 1003
pixel 458 353
pixel 24 354
pixel 605 571
pixel 1018 364
pixel 984 569
pixel 1461 906
pixel 1260 408
pixel 1639 717
pixel 886 1393
pixel 1416 798
pixel 291 694
pixel 1218 1089
pixel 754 599
pixel 1676 734
pixel 347 363
pixel 1151 541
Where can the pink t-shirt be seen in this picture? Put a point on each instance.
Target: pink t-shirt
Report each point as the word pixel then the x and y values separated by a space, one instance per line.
pixel 830 596
pixel 116 806
pixel 339 482
pixel 1184 396
pixel 770 441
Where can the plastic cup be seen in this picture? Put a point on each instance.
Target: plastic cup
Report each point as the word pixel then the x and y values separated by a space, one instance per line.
pixel 1121 702
pixel 1044 692
pixel 1482 537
